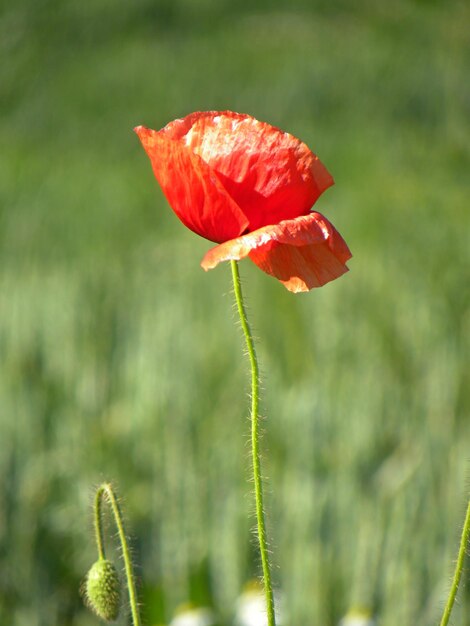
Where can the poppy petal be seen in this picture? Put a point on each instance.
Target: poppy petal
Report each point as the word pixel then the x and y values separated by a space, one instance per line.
pixel 302 253
pixel 192 188
pixel 270 174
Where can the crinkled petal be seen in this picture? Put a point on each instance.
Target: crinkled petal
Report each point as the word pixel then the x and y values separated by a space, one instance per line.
pixel 270 174
pixel 192 188
pixel 302 253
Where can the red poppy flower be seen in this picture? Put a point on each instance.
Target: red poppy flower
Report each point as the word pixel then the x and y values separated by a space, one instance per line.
pixel 249 187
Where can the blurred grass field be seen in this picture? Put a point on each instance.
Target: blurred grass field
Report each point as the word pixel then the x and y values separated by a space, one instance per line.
pixel 120 356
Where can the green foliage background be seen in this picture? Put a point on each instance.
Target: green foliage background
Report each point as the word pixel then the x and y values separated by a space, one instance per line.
pixel 120 357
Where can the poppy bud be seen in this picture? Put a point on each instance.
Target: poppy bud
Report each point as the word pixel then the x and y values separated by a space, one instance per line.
pixel 102 590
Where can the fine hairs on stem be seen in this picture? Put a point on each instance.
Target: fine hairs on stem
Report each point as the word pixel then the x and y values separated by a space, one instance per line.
pixel 458 569
pixel 102 583
pixel 256 460
pixel 263 544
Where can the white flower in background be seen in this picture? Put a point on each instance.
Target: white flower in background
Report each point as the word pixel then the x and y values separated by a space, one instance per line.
pixel 358 617
pixel 251 607
pixel 190 616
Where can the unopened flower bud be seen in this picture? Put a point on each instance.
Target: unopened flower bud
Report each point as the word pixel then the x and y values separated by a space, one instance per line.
pixel 103 590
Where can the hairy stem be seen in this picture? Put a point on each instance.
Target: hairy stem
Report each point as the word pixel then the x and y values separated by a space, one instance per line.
pixel 263 543
pixel 105 492
pixel 458 569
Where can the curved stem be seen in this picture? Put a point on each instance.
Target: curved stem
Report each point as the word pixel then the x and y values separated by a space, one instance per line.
pixel 263 543
pixel 97 521
pixel 458 569
pixel 105 491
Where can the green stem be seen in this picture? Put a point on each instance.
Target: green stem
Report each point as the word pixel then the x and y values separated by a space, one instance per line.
pixel 105 491
pixel 263 542
pixel 458 569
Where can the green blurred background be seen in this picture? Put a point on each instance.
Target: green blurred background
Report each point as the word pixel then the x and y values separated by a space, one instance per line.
pixel 120 356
